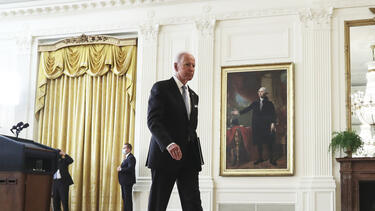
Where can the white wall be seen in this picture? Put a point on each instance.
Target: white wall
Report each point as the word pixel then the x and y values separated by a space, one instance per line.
pixel 220 33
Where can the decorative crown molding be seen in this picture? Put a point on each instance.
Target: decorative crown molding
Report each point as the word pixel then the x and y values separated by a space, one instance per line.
pixel 53 7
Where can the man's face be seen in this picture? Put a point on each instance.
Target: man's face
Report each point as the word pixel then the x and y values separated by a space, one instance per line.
pixel 126 148
pixel 185 68
pixel 261 94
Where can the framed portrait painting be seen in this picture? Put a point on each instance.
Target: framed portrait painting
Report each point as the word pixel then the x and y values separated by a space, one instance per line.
pixel 257 120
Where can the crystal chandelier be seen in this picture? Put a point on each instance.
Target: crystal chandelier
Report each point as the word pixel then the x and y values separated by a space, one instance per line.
pixel 363 106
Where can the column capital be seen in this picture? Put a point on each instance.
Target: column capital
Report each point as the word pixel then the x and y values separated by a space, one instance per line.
pixel 149 31
pixel 206 24
pixel 24 41
pixel 316 18
pixel 24 44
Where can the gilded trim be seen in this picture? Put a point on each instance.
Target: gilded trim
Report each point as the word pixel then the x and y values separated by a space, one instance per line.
pixel 347 25
pixel 86 40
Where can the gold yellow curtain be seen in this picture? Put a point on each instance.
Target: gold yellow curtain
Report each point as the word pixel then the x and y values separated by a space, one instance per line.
pixel 85 106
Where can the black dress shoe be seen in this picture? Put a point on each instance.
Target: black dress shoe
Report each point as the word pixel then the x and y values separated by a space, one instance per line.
pixel 258 161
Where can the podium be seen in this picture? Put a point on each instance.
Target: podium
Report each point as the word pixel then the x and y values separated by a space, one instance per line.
pixel 26 171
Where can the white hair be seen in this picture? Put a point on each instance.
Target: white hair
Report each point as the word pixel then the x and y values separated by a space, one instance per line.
pixel 262 89
pixel 180 55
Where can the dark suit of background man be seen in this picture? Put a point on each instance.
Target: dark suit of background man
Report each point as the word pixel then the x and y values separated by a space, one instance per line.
pixel 174 154
pixel 263 124
pixel 126 176
pixel 61 182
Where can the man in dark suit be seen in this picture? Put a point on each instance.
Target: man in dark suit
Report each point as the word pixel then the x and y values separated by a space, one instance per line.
pixel 61 182
pixel 174 151
pixel 126 176
pixel 263 124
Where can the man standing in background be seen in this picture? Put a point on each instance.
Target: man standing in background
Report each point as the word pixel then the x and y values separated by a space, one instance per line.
pixel 61 182
pixel 126 176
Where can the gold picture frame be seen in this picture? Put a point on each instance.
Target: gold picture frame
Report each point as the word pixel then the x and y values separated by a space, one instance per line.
pixel 244 120
pixel 348 25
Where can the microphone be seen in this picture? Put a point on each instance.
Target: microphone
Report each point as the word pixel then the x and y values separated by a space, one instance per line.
pixel 18 127
pixel 25 126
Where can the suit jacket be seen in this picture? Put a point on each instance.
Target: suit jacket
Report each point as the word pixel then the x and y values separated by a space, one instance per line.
pixel 168 122
pixel 62 165
pixel 127 174
pixel 261 121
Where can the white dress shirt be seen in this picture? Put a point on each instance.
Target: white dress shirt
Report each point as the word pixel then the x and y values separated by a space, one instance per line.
pixel 57 174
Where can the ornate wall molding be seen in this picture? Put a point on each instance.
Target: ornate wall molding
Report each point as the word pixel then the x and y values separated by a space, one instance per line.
pixel 31 8
pixel 206 24
pixel 24 43
pixel 255 13
pixel 316 17
pixel 86 40
pixel 149 31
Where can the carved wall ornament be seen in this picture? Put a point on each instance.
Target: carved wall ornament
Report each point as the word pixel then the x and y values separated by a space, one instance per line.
pixel 206 23
pixel 149 31
pixel 24 40
pixel 86 40
pixel 205 26
pixel 316 16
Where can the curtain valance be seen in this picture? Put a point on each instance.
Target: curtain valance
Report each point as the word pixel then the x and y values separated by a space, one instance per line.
pixel 94 60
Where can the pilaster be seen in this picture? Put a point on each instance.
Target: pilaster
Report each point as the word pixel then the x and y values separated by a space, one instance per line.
pixel 317 187
pixel 146 77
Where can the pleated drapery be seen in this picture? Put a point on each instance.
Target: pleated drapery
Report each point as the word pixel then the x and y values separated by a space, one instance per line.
pixel 85 106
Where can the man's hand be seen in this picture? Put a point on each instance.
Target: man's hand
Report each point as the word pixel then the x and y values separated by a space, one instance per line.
pixel 273 128
pixel 175 151
pixel 235 112
pixel 119 168
pixel 62 153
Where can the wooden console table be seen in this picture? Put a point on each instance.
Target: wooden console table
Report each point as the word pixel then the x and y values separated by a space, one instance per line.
pixel 353 171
